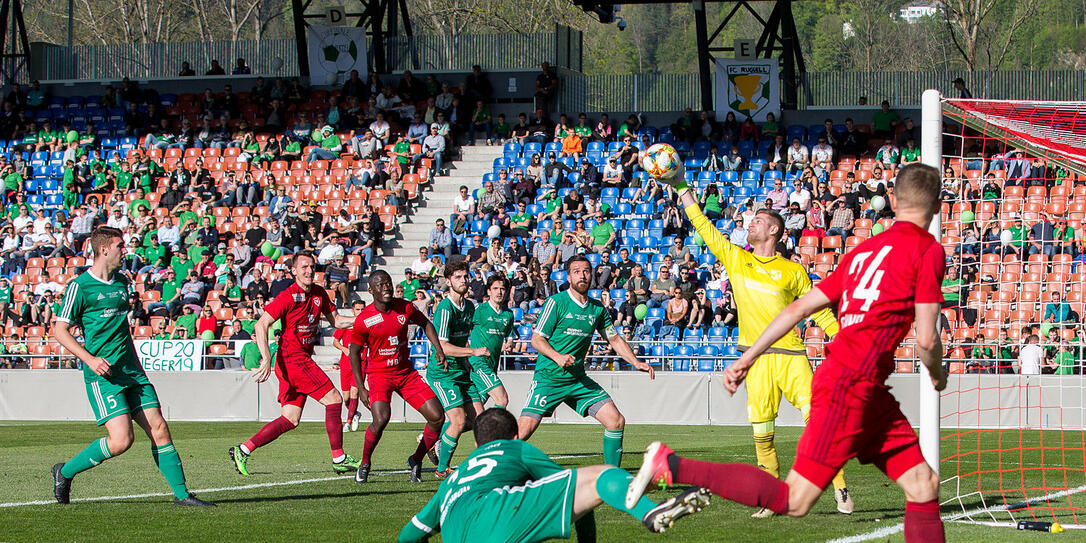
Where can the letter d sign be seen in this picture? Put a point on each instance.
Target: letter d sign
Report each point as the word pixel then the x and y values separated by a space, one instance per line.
pixel 336 15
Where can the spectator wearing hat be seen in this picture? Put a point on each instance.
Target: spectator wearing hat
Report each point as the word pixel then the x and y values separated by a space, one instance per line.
pixel 337 279
pixel 192 290
pixel 433 146
pixel 281 281
pixel 410 284
pixel 330 146
pixel 959 84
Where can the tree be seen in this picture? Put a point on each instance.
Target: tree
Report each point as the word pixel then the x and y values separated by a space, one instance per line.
pixel 982 30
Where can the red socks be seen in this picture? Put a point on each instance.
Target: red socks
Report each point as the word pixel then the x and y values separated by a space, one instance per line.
pixel 371 442
pixel 429 437
pixel 334 426
pixel 922 522
pixel 352 409
pixel 268 433
pixel 740 483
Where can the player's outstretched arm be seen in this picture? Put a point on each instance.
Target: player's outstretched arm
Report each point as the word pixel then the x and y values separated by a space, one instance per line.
pixel 260 330
pixel 431 334
pixel 783 323
pixel 929 347
pixel 425 523
pixel 621 348
pixel 99 365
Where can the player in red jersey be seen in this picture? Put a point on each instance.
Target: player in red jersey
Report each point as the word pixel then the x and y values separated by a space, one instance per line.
pixel 341 340
pixel 381 332
pixel 300 308
pixel 881 286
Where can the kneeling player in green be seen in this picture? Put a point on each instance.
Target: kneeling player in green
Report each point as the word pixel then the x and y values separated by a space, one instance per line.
pixel 450 381
pixel 562 335
pixel 509 491
pixel 117 387
pixel 490 328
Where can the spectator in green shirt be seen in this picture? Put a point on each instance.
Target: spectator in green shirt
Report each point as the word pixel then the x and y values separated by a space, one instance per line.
pixel 603 236
pixel 330 146
pixel 502 130
pixel 410 284
pixel 911 153
pixel 187 320
pixel 1064 361
pixel 952 288
pixel 884 121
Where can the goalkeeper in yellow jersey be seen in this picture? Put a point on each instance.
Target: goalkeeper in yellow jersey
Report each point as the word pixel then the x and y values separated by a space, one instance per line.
pixel 763 284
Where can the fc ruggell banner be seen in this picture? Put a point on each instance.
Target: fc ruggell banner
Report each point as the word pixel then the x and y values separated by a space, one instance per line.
pixel 750 88
pixel 171 354
pixel 334 51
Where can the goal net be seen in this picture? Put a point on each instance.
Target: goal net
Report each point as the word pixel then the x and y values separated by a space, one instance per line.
pixel 1011 439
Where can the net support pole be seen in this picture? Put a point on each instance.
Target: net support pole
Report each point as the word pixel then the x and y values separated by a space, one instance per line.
pixel 931 153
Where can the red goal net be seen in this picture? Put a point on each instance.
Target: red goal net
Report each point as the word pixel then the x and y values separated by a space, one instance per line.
pixel 1012 441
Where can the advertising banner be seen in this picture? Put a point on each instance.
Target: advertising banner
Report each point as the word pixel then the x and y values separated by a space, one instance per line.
pixel 170 354
pixel 749 88
pixel 334 51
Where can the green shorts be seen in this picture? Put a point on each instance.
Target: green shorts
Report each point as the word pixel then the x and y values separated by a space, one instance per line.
pixel 582 394
pixel 537 511
pixel 451 391
pixel 483 380
pixel 109 400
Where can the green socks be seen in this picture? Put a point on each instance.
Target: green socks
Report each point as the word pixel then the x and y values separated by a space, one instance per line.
pixel 448 447
pixel 612 447
pixel 169 463
pixel 612 484
pixel 95 453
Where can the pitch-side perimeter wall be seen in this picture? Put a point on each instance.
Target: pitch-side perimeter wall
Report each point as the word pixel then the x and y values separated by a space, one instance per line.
pixel 1010 401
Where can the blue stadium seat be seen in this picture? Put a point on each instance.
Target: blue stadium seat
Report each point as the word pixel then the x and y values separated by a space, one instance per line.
pixel 525 332
pixel 795 131
pixel 718 335
pixel 707 362
pixel 629 193
pixel 645 210
pixel 618 295
pixel 640 258
pixel 512 147
pixel 692 335
pixel 623 209
pixel 518 314
pixel 770 176
pixel 595 147
pixel 656 312
pixel 595 293
pixel 682 147
pixel 594 259
pixel 682 357
pixel 552 147
pixel 532 147
pixel 558 276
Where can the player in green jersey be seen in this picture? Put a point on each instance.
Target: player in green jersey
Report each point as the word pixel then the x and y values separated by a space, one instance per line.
pixel 450 381
pixel 562 335
pixel 509 491
pixel 117 387
pixel 490 328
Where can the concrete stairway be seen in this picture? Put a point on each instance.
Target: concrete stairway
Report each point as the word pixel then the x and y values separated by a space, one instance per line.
pixel 403 248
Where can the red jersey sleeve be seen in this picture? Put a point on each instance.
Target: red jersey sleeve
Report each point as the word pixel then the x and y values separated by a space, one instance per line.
pixel 929 276
pixel 359 332
pixel 833 285
pixel 413 314
pixel 280 305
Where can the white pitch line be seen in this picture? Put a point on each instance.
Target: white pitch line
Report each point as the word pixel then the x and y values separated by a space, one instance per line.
pixel 240 487
pixel 891 530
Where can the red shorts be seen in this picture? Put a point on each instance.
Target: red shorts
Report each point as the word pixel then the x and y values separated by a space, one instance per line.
pixel 410 385
pixel 853 417
pixel 300 377
pixel 346 376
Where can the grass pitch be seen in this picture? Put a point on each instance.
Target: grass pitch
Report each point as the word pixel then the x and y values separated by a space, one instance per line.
pixel 292 494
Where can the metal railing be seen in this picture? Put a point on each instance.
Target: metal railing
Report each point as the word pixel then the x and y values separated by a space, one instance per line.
pixel 905 88
pixel 628 92
pixel 459 53
pixel 163 60
pixel 960 357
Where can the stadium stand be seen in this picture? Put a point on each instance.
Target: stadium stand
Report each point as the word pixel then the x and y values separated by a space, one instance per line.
pixel 244 176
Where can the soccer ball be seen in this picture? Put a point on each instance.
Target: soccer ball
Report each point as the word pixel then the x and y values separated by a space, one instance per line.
pixel 661 161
